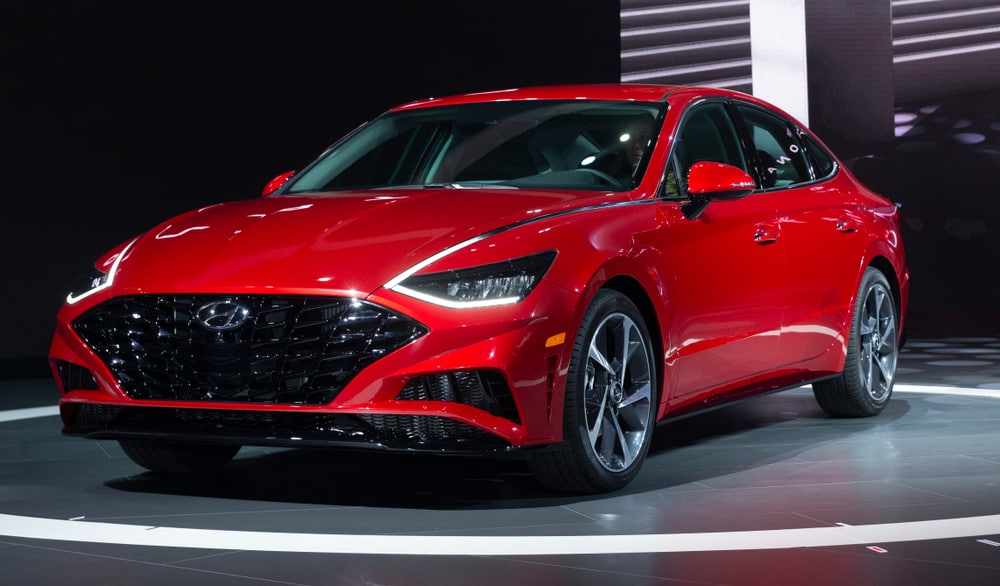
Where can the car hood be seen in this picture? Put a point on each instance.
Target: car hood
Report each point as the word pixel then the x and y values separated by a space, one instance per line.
pixel 352 242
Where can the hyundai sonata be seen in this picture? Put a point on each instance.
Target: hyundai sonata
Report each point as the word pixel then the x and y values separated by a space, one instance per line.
pixel 543 272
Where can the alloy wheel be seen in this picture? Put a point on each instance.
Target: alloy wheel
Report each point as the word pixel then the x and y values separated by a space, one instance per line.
pixel 617 392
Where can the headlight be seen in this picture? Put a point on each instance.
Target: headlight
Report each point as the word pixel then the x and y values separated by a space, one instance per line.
pixel 499 283
pixel 96 279
pixel 93 280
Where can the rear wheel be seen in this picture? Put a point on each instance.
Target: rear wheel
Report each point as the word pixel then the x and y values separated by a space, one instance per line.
pixel 865 385
pixel 610 402
pixel 176 458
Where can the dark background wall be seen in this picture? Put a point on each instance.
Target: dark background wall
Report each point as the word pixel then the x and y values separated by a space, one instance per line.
pixel 117 115
pixel 908 93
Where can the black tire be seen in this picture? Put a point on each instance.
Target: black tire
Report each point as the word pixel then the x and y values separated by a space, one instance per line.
pixel 864 387
pixel 610 402
pixel 177 458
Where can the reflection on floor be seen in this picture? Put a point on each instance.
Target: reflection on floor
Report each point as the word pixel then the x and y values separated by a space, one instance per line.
pixel 972 362
pixel 770 465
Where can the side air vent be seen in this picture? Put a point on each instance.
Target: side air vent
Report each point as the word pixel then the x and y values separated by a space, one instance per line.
pixel 482 389
pixel 75 377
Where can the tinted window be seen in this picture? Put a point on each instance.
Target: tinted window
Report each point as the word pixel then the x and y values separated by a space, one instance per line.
pixel 707 134
pixel 780 157
pixel 580 144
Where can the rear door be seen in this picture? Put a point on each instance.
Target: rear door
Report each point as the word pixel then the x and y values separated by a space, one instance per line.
pixel 822 233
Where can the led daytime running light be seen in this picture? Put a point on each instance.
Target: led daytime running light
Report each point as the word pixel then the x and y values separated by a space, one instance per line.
pixel 501 283
pixel 104 282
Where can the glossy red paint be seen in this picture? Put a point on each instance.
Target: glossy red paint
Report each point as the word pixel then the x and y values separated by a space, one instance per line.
pixel 720 180
pixel 276 183
pixel 754 294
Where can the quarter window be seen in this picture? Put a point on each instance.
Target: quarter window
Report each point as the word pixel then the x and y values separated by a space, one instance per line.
pixel 821 160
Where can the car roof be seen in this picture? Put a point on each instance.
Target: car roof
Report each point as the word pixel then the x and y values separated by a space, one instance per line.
pixel 637 92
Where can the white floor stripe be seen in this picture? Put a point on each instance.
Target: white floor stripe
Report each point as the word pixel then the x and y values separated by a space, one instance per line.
pixel 17 414
pixel 932 390
pixel 521 545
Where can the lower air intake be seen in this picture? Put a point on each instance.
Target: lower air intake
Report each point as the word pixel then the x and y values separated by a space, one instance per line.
pixel 483 389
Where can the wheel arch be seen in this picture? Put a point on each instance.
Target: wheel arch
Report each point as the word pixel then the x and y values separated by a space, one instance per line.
pixel 885 267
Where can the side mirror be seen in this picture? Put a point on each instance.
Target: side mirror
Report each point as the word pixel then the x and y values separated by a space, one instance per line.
pixel 719 180
pixel 274 184
pixel 707 181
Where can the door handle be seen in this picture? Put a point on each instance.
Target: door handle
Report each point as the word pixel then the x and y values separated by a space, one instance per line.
pixel 765 234
pixel 847 225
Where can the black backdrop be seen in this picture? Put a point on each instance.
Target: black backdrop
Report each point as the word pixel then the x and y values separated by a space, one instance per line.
pixel 117 115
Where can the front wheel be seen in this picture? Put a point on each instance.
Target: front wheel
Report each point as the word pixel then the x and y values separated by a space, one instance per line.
pixel 865 385
pixel 610 402
pixel 177 458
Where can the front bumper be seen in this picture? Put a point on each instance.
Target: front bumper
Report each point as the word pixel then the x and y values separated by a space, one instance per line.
pixel 467 381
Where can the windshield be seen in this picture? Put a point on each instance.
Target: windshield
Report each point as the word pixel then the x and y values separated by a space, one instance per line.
pixel 596 145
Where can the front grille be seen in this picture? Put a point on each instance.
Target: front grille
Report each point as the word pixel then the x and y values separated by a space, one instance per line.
pixel 290 349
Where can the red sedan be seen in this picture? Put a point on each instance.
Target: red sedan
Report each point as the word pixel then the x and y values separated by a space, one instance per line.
pixel 544 272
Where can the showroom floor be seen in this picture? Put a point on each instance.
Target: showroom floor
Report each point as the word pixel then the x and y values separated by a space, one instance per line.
pixel 768 491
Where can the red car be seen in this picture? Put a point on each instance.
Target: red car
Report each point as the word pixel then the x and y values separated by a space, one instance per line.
pixel 545 272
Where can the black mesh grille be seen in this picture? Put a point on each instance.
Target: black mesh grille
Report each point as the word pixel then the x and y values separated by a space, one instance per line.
pixel 483 389
pixel 290 350
pixel 424 430
pixel 94 415
pixel 75 377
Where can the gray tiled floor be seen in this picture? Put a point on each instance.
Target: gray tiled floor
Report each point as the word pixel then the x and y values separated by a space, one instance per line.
pixel 769 464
